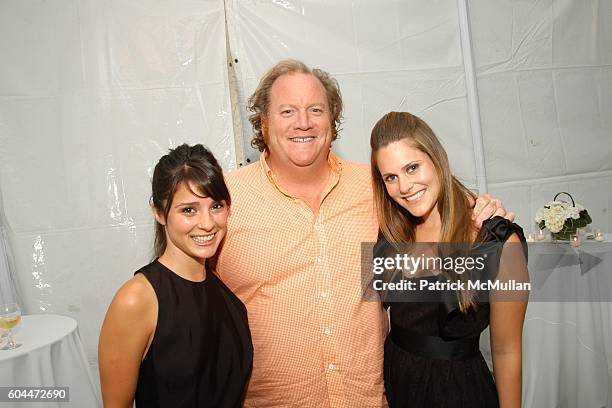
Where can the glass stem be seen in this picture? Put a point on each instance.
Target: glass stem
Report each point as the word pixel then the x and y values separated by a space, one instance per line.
pixel 11 342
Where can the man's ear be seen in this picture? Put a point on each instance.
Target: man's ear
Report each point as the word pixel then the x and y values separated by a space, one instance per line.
pixel 159 216
pixel 264 126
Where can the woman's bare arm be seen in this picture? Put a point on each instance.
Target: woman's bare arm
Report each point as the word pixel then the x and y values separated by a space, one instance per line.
pixel 124 339
pixel 507 317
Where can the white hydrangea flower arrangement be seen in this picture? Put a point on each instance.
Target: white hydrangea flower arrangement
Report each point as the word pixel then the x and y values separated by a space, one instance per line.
pixel 561 218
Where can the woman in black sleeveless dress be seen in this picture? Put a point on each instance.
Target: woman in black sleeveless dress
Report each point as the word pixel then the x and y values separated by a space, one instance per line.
pixel 432 356
pixel 175 335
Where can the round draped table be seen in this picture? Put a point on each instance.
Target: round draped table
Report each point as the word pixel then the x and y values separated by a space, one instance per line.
pixel 51 355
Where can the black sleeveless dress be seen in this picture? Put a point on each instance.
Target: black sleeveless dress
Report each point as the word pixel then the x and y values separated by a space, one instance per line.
pixel 201 354
pixel 432 357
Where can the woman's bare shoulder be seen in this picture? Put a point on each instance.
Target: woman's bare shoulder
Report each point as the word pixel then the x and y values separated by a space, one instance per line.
pixel 136 296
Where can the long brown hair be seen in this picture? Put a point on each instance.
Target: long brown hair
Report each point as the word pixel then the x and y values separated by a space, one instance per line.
pixel 185 164
pixel 396 224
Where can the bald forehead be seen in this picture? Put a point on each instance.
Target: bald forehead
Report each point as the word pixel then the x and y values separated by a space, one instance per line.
pixel 297 88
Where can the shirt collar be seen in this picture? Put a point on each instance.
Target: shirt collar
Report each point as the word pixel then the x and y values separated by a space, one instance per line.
pixel 335 163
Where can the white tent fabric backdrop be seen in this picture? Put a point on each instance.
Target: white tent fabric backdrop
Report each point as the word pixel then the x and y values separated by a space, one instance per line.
pixel 93 92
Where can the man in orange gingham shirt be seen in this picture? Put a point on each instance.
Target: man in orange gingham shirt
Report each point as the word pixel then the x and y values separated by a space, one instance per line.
pixel 293 251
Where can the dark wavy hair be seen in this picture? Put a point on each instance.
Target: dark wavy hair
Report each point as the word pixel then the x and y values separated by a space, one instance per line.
pixel 259 102
pixel 192 165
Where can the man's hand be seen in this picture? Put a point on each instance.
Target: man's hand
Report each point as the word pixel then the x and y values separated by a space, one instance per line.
pixel 488 207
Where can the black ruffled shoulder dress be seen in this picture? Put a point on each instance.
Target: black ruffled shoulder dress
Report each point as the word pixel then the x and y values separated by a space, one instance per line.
pixel 432 356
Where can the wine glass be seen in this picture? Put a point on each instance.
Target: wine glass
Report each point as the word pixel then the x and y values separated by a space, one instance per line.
pixel 10 316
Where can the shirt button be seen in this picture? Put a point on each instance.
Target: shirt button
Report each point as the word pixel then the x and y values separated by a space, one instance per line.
pixel 327 331
pixel 323 294
pixel 319 259
pixel 331 366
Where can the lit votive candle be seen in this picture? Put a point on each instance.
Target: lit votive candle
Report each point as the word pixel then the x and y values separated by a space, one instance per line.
pixel 541 235
pixel 530 237
pixel 574 240
pixel 599 236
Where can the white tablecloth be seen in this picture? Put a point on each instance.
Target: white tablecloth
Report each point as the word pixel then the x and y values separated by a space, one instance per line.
pixel 51 355
pixel 567 343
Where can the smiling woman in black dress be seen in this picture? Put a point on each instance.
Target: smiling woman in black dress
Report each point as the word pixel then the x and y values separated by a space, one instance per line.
pixel 174 335
pixel 432 357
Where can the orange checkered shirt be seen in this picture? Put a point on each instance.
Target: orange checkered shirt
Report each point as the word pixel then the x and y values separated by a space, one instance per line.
pixel 316 342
